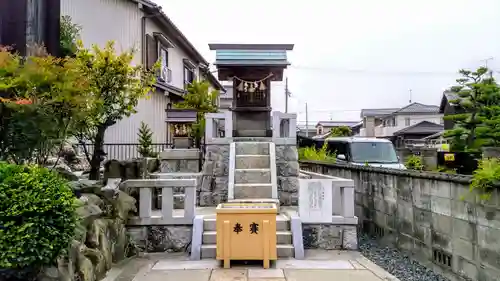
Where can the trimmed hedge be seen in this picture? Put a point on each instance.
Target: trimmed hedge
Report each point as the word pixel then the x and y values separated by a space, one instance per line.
pixel 37 220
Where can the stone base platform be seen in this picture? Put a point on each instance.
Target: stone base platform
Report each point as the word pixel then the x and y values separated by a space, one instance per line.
pixel 319 265
pixel 178 238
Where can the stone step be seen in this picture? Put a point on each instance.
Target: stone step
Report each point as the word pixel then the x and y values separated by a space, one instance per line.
pixel 252 162
pixel 252 148
pixel 258 200
pixel 284 251
pixel 252 133
pixel 253 190
pixel 282 237
pixel 282 224
pixel 252 139
pixel 252 176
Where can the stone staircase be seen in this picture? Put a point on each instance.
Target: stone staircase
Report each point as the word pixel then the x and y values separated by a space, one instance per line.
pixel 252 176
pixel 252 171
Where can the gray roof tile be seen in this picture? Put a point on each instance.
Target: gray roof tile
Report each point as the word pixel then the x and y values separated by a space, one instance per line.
pixel 337 123
pixel 418 108
pixel 377 112
pixel 424 127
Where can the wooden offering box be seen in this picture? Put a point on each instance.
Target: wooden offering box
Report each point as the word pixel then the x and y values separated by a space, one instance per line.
pixel 246 231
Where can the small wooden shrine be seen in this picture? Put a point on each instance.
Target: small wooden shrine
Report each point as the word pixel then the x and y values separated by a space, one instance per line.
pixel 180 121
pixel 252 68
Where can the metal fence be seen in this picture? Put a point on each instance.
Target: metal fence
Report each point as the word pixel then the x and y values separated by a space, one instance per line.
pixel 123 151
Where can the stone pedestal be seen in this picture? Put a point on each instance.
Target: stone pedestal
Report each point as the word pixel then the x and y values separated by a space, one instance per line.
pixel 180 161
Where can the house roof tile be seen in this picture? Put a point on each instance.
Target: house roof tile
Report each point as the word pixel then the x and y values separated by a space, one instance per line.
pixel 337 123
pixel 424 127
pixel 418 108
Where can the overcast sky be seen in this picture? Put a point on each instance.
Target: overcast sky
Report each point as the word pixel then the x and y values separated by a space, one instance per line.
pixel 354 54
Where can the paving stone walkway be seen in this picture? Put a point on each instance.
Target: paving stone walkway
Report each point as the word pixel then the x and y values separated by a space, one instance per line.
pixel 318 266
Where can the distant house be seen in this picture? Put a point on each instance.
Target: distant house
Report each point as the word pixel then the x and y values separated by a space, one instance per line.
pixel 449 107
pixel 389 122
pixel 226 98
pixel 324 127
pixel 310 131
pixel 419 131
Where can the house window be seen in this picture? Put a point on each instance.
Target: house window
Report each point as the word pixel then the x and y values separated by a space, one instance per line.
pixel 165 74
pixel 407 121
pixel 441 121
pixel 188 76
pixel 394 123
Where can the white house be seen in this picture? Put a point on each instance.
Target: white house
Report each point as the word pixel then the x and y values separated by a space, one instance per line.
pixel 387 122
pixel 142 25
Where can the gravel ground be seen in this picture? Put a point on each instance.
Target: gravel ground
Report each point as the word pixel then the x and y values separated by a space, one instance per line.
pixel 396 262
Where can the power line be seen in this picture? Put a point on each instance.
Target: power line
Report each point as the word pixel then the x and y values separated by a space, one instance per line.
pixel 367 71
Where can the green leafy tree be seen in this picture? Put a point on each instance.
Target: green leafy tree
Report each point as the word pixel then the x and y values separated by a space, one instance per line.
pixel 116 86
pixel 478 98
pixel 201 98
pixel 145 138
pixel 68 37
pixel 41 102
pixel 342 131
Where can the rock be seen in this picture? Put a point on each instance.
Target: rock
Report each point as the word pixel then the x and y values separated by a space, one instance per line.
pixel 49 274
pixel 122 204
pixel 81 232
pixel 131 169
pixel 85 186
pixel 288 169
pixel 118 238
pixel 88 212
pixel 93 199
pixel 85 269
pixel 285 153
pixel 168 238
pixel 113 169
pixel 95 229
pixel 98 262
pixel 64 171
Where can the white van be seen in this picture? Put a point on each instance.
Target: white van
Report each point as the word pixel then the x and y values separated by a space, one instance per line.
pixel 365 151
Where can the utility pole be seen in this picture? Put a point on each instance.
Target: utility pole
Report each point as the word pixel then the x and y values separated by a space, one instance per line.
pixel 307 123
pixel 486 65
pixel 286 95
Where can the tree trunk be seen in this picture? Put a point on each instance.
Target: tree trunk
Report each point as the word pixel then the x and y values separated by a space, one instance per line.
pixel 95 162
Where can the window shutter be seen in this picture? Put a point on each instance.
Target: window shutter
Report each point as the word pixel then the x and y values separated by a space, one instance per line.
pixel 152 51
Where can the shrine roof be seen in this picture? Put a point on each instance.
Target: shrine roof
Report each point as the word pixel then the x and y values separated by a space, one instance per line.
pixel 251 54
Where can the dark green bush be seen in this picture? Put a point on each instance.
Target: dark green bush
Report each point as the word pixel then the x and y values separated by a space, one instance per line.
pixel 37 219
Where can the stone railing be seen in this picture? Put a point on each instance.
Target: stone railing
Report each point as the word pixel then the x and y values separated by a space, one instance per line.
pixel 284 125
pixel 334 195
pixel 433 216
pixel 167 215
pixel 212 129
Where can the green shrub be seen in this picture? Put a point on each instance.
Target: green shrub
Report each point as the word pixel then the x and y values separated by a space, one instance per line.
pixel 311 153
pixel 414 162
pixel 486 178
pixel 37 219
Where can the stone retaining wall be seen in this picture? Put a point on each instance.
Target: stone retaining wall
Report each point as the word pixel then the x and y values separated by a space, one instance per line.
pixel 215 175
pixel 101 237
pixel 433 216
pixel 287 169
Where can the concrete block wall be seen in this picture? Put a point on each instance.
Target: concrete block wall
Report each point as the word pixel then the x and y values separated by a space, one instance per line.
pixel 430 215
